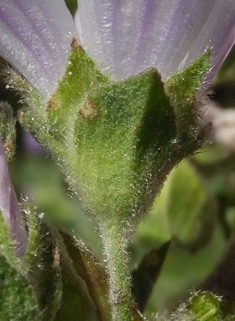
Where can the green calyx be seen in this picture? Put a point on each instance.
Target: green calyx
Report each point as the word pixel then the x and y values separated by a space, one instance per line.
pixel 116 142
pixel 123 145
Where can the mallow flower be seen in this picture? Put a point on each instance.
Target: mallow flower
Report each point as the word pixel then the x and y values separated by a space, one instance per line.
pixel 93 96
pixel 124 38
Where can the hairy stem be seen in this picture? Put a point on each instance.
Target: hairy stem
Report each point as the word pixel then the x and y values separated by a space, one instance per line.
pixel 115 248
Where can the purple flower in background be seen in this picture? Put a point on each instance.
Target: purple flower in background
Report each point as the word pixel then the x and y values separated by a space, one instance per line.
pixel 123 37
pixel 9 208
pixel 126 37
pixel 31 146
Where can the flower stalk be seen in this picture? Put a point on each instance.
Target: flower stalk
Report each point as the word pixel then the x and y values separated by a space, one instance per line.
pixel 115 243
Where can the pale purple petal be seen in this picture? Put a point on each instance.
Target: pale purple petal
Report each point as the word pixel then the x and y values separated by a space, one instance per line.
pixel 35 38
pixel 9 208
pixel 126 37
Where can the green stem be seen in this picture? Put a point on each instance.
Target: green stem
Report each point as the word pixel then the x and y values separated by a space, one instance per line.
pixel 115 248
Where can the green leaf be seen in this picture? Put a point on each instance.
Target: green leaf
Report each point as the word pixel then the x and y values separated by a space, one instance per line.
pixel 92 271
pixel 41 263
pixel 190 207
pixel 146 274
pixel 17 299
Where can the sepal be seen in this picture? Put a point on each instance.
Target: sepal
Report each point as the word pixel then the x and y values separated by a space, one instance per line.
pixel 7 129
pixel 117 142
pixel 186 98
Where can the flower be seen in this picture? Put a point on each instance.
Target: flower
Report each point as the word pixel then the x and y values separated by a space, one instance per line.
pixel 35 39
pixel 9 208
pixel 126 37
